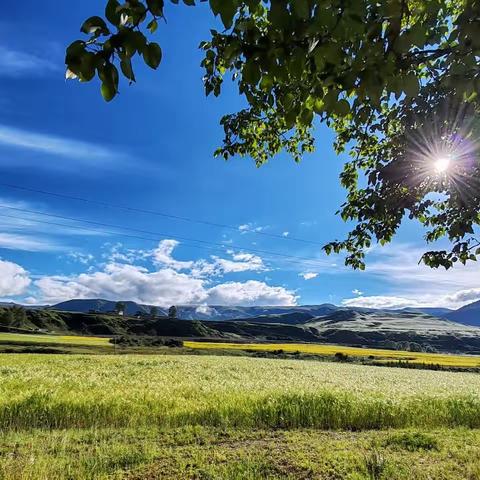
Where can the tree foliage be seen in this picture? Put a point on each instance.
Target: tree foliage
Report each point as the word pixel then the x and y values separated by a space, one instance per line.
pixel 397 80
pixel 172 312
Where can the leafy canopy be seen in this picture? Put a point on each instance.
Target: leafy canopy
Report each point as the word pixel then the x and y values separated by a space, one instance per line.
pixel 397 80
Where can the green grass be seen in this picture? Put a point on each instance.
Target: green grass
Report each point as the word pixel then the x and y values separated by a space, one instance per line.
pixel 444 359
pixel 219 454
pixel 51 391
pixel 22 338
pixel 229 418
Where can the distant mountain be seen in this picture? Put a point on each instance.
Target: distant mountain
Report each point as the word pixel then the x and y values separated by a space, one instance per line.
pixel 436 312
pixel 395 330
pixel 293 315
pixel 469 314
pixel 189 312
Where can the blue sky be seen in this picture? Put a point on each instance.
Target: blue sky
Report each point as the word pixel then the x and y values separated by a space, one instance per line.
pixel 152 149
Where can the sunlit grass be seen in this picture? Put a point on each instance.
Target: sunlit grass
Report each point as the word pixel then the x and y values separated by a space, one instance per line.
pixel 54 339
pixel 325 349
pixel 81 391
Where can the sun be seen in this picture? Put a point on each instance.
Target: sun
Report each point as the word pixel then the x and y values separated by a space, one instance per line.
pixel 441 164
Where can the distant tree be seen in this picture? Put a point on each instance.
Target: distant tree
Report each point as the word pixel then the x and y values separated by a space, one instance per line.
pixel 172 312
pixel 397 80
pixel 153 312
pixel 19 315
pixel 120 308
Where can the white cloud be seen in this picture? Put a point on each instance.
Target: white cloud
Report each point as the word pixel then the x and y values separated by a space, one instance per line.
pixel 398 264
pixel 407 283
pixel 170 282
pixel 83 258
pixel 308 275
pixel 14 280
pixel 28 243
pixel 250 227
pixel 356 291
pixel 14 63
pixel 248 293
pixel 379 301
pixel 204 310
pixel 20 230
pixel 162 287
pixel 453 300
pixel 285 234
pixel 163 255
pixel 84 152
pixel 240 262
pixel 463 296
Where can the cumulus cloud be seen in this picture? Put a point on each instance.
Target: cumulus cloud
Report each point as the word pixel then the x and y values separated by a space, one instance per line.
pixel 239 262
pixel 453 300
pixel 162 287
pixel 14 280
pixel 410 284
pixel 170 282
pixel 379 301
pixel 163 255
pixel 308 275
pixel 356 291
pixel 204 310
pixel 248 293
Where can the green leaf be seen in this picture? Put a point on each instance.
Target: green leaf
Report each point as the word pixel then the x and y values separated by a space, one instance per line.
pixel 95 25
pixel 410 85
pixel 226 10
pixel 342 108
pixel 301 8
pixel 152 54
pixel 111 12
pixel 108 92
pixel 156 7
pixel 126 66
pixel 152 26
pixel 278 14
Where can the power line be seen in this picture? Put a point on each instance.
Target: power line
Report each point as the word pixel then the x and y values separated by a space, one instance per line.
pixel 286 257
pixel 157 213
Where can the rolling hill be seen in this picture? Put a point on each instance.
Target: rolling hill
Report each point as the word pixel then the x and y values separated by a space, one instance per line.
pixel 469 314
pixel 192 312
pixel 396 330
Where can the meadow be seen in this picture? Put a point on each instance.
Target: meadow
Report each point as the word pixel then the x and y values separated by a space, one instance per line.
pixel 444 359
pixel 48 339
pixel 216 417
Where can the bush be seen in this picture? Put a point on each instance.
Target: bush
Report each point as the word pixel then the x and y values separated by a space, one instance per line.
pixel 412 441
pixel 341 357
pixel 145 341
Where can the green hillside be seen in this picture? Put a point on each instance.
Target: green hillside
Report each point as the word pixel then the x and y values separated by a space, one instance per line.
pixel 393 330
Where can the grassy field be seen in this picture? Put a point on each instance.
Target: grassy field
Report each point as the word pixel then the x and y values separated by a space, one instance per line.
pixel 220 417
pixel 53 339
pixel 330 350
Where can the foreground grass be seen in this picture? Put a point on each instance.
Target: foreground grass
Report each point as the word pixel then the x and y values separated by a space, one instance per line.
pixel 56 392
pixel 218 454
pixel 447 360
pixel 53 339
pixel 138 417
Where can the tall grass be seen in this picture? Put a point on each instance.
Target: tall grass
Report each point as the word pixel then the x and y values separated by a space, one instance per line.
pixel 57 392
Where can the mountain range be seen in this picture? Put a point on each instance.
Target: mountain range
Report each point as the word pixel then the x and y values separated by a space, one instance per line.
pixel 468 315
pixel 400 330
